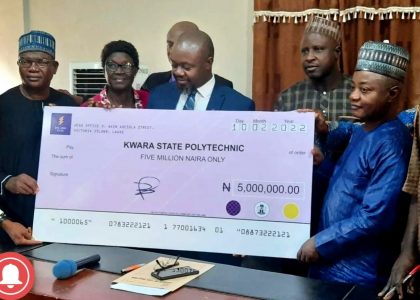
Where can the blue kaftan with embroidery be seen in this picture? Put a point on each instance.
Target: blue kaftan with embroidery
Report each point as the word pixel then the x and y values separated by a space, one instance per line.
pixel 360 207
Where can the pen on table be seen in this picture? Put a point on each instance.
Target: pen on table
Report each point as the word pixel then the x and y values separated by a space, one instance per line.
pixel 406 278
pixel 131 268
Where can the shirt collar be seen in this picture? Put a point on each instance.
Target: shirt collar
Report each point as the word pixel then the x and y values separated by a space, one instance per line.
pixel 206 89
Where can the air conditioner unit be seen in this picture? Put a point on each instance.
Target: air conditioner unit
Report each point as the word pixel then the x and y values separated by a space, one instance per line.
pixel 88 79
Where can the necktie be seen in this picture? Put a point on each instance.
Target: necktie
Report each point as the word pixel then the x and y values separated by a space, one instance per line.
pixel 189 104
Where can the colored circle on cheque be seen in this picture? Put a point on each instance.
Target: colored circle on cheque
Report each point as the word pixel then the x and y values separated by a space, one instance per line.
pixel 291 210
pixel 233 208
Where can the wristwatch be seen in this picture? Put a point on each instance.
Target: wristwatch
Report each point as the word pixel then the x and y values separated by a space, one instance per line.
pixel 3 217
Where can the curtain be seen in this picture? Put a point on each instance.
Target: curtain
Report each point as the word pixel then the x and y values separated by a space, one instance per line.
pixel 279 26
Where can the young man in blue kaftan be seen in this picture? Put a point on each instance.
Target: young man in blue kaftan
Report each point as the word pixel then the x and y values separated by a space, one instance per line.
pixel 360 207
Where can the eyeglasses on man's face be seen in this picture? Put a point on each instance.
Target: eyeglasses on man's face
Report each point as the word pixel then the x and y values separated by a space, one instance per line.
pixel 113 67
pixel 42 63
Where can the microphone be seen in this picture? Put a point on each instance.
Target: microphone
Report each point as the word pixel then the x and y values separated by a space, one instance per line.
pixel 66 268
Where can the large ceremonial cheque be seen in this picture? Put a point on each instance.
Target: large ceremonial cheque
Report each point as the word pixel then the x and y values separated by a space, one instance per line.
pixel 216 181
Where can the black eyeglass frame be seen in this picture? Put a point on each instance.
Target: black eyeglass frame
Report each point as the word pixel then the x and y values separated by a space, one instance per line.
pixel 40 63
pixel 163 267
pixel 113 67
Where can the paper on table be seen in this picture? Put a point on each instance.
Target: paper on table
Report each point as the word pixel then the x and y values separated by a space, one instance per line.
pixel 140 280
pixel 139 289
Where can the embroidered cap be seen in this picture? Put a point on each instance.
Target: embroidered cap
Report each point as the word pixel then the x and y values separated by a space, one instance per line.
pixel 325 27
pixel 383 58
pixel 37 41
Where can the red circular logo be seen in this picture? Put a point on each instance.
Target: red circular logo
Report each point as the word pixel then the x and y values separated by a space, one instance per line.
pixel 17 276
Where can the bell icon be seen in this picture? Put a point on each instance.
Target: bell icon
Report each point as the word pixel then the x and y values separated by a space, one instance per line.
pixel 10 275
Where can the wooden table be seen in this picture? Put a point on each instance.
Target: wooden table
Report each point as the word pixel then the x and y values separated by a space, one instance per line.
pixel 215 284
pixel 92 285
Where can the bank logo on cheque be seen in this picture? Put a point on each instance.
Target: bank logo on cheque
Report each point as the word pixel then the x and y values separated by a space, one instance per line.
pixel 60 124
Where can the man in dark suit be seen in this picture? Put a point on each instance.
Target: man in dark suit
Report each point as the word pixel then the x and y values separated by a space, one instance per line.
pixel 159 78
pixel 192 59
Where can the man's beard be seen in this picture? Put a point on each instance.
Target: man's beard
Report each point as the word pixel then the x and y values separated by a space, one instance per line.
pixel 185 88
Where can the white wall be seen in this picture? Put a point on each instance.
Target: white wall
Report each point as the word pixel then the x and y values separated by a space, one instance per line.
pixel 83 27
pixel 11 27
